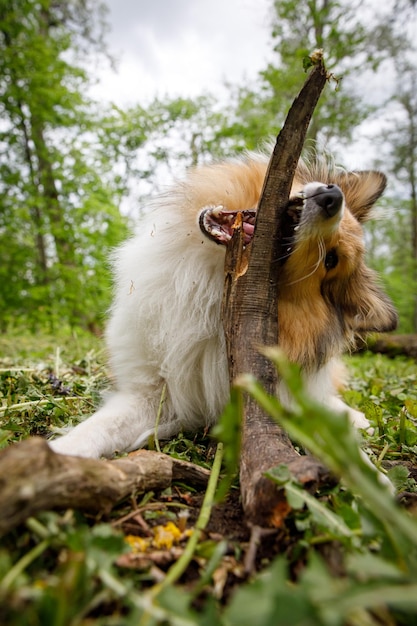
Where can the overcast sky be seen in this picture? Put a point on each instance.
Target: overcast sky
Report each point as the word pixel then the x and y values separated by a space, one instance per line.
pixel 183 47
pixel 187 47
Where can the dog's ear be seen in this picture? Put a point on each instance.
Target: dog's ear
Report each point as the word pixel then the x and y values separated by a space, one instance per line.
pixel 367 306
pixel 362 190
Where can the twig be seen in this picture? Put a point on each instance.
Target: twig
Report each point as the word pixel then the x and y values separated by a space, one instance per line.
pixel 152 506
pixel 25 405
pixel 176 571
pixel 179 567
pixel 256 535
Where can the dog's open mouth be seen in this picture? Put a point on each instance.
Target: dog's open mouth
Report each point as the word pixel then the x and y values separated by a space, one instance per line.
pixel 218 223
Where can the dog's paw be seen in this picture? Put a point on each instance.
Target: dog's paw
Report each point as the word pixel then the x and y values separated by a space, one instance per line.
pixel 359 420
pixel 356 418
pixel 382 478
pixel 74 446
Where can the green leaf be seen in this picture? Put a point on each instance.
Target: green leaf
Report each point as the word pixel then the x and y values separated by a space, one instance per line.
pixel 271 600
pixel 370 566
pixel 281 475
pixel 398 475
pixel 297 497
pixel 307 63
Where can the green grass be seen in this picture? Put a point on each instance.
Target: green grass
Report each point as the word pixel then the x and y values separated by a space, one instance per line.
pixel 385 390
pixel 67 568
pixel 46 384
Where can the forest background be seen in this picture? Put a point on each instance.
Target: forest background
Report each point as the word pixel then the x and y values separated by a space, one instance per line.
pixel 71 167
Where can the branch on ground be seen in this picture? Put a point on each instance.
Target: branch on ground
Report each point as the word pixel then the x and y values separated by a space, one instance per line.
pixel 393 345
pixel 33 478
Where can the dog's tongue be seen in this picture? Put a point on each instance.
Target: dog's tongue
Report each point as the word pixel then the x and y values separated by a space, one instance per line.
pixel 248 229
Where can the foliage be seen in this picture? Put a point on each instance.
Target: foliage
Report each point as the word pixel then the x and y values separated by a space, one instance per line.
pixel 386 390
pixel 158 142
pixel 389 252
pixel 38 391
pixel 298 28
pixel 385 576
pixel 403 163
pixel 397 152
pixel 175 134
pixel 59 197
pixel 71 569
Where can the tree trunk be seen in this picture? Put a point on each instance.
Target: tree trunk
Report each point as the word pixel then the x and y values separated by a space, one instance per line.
pixel 59 228
pixel 35 211
pixel 409 163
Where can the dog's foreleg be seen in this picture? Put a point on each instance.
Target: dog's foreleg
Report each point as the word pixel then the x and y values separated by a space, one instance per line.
pixel 123 423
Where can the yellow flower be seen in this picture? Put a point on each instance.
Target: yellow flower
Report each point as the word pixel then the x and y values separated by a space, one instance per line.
pixel 137 544
pixel 166 536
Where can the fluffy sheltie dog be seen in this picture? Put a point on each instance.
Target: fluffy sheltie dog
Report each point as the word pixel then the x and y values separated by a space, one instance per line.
pixel 165 327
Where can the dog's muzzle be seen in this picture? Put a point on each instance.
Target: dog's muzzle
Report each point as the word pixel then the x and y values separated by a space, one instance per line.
pixel 327 197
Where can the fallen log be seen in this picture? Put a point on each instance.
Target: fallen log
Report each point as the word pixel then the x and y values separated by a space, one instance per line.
pixel 250 317
pixel 33 478
pixel 393 345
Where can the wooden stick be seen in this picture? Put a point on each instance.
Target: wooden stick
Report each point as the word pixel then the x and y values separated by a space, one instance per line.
pixel 250 316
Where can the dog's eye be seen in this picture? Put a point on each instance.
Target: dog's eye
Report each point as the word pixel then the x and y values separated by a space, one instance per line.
pixel 331 260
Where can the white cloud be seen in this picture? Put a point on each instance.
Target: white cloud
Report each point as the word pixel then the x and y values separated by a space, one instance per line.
pixel 178 47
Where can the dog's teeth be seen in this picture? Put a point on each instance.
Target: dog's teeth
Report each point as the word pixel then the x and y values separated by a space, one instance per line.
pixel 218 210
pixel 297 227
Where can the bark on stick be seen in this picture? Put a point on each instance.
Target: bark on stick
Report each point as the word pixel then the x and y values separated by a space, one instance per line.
pixel 250 316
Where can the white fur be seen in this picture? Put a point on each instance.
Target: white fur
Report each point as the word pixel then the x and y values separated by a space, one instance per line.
pixel 164 327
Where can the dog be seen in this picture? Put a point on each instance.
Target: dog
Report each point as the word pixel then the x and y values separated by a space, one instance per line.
pixel 165 330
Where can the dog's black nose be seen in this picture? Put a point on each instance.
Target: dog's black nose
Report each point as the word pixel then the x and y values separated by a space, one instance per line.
pixel 330 199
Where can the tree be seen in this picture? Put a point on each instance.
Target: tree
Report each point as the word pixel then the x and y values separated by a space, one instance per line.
pixel 394 243
pixel 66 164
pixel 171 135
pixel 345 33
pixel 58 211
pixel 403 164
